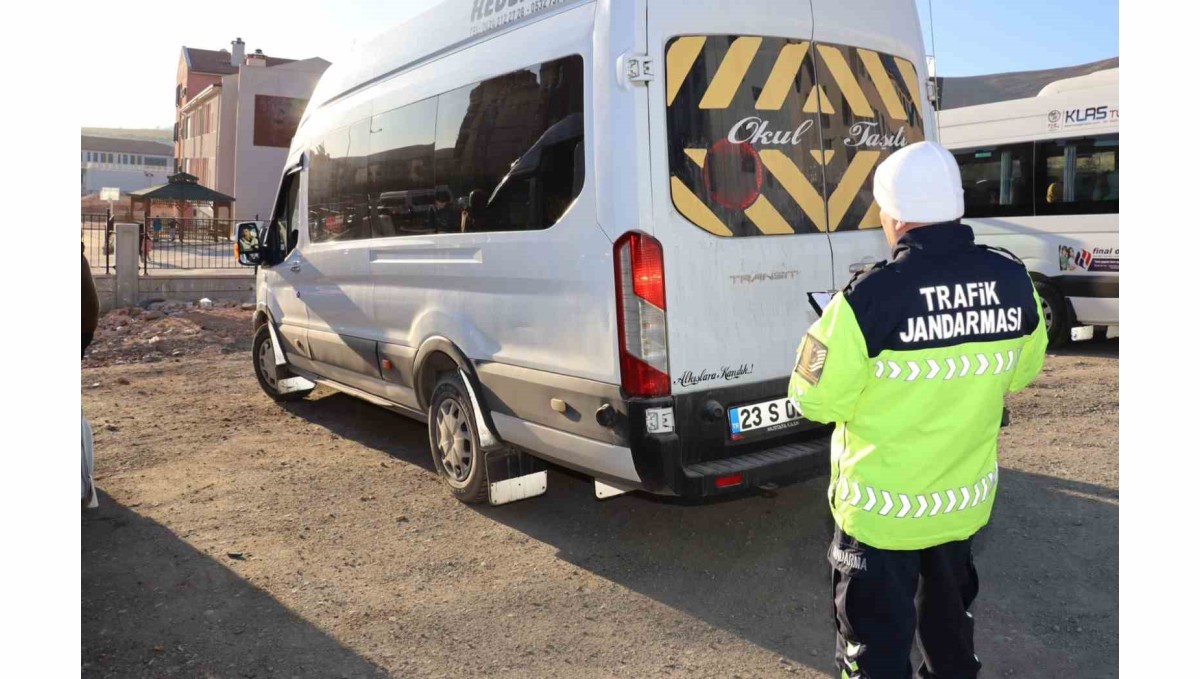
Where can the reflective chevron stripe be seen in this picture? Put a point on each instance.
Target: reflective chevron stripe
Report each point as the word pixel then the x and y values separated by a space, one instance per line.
pixel 927 505
pixel 951 368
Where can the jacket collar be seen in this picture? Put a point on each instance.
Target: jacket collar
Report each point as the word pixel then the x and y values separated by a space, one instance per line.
pixel 936 239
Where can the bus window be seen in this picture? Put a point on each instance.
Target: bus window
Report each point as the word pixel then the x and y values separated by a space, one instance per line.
pixel 1078 176
pixel 997 180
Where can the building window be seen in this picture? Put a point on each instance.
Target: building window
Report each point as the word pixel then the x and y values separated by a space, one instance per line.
pixel 276 120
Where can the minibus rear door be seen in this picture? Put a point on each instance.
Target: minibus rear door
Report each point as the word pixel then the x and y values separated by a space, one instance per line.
pixel 738 202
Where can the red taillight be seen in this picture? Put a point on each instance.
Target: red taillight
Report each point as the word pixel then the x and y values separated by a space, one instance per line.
pixel 728 481
pixel 648 280
pixel 641 315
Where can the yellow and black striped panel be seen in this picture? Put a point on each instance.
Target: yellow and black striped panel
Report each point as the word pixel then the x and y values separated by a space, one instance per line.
pixel 875 104
pixel 796 104
pixel 756 89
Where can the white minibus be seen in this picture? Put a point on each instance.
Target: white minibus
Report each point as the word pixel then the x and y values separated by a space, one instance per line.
pixel 631 200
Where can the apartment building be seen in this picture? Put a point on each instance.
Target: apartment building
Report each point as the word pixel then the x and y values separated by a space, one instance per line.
pixel 235 117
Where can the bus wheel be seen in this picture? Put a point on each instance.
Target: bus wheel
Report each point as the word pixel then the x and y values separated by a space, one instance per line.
pixel 264 367
pixel 454 442
pixel 1057 312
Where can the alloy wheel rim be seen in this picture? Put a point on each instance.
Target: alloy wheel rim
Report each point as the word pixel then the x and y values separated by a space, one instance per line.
pixel 454 443
pixel 265 354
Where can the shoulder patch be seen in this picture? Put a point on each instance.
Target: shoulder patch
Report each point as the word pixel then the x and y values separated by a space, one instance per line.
pixel 810 361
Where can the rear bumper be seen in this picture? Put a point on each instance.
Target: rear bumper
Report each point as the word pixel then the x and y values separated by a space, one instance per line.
pixel 690 461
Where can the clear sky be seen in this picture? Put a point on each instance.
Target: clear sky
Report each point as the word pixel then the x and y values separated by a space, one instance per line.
pixel 974 37
pixel 129 73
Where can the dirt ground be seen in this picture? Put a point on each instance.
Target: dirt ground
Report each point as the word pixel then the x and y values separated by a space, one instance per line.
pixel 241 538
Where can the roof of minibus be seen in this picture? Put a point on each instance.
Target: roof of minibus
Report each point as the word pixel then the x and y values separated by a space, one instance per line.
pixel 445 27
pixel 1027 119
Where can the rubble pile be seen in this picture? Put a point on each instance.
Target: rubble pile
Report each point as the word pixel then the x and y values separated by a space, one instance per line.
pixel 162 331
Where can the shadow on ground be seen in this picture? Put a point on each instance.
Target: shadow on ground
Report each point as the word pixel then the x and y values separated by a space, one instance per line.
pixel 180 613
pixel 756 566
pixel 1098 348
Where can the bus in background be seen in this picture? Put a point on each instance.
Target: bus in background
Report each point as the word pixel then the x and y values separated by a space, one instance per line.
pixel 1040 179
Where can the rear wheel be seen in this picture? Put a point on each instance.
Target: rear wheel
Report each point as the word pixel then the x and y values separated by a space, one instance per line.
pixel 264 367
pixel 454 442
pixel 1057 312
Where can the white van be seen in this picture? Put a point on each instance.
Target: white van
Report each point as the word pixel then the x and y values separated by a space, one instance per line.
pixel 641 193
pixel 1040 177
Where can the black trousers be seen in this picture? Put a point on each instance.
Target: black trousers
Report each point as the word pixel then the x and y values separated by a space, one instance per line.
pixel 882 597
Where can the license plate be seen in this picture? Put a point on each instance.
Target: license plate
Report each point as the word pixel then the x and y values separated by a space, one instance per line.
pixel 768 414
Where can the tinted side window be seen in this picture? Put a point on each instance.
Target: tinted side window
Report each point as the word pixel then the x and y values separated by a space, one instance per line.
pixel 1078 176
pixel 283 234
pixel 997 180
pixel 401 169
pixel 353 197
pixel 505 154
pixel 289 226
pixel 506 148
pixel 326 158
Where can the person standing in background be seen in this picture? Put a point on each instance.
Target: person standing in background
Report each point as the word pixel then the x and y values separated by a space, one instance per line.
pixel 90 305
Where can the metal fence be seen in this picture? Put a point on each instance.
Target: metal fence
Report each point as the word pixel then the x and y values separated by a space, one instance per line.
pixel 99 241
pixel 172 243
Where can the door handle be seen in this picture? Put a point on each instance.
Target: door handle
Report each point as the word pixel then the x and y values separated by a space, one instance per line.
pixel 295 266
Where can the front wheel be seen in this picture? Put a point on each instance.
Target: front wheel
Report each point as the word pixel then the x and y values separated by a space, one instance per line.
pixel 264 367
pixel 454 442
pixel 1056 312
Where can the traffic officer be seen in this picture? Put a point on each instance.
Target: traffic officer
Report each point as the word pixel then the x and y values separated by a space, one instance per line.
pixel 912 361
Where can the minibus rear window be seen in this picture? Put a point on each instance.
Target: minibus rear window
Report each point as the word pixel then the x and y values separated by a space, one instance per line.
pixel 777 136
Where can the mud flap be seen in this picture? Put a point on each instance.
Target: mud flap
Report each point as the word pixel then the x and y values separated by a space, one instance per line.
pixel 608 489
pixel 513 475
pixel 285 381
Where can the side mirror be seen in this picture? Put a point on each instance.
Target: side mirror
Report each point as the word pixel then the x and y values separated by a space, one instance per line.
pixel 248 248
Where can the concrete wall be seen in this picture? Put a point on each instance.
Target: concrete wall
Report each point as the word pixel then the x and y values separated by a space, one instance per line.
pixel 179 289
pixel 239 288
pixel 128 287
